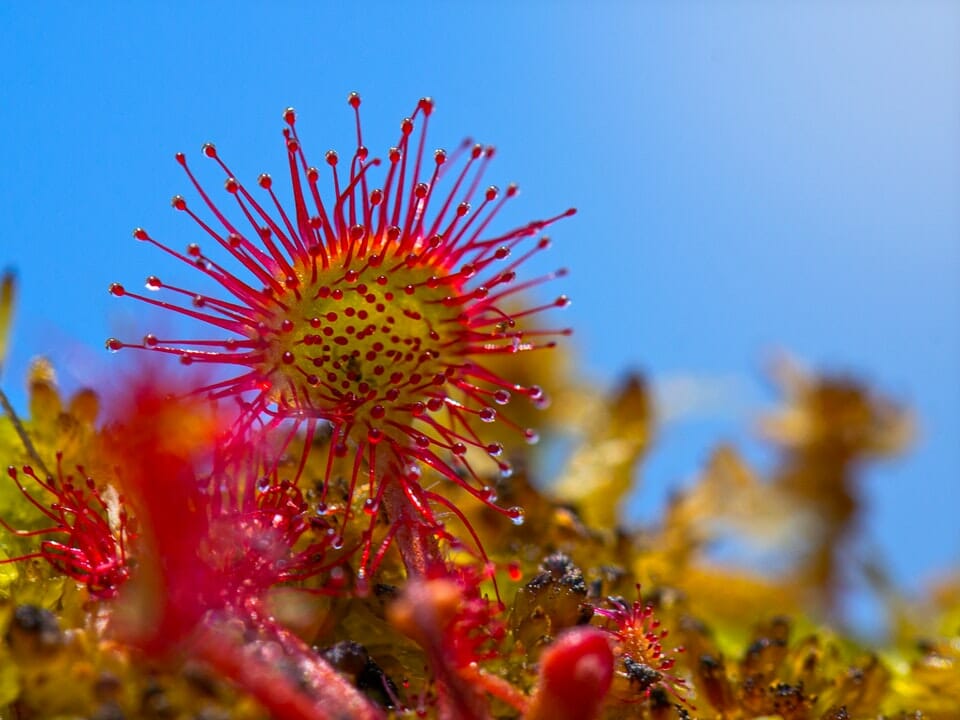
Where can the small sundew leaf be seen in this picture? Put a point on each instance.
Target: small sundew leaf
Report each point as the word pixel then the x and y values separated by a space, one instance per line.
pixel 7 297
pixel 45 402
pixel 602 469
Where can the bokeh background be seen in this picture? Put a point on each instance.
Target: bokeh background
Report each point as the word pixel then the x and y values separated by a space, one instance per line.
pixel 750 177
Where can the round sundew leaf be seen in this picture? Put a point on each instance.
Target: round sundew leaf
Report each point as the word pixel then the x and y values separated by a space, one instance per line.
pixel 376 307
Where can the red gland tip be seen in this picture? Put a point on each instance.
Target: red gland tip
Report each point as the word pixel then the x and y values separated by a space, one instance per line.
pixel 290 116
pixel 354 99
pixel 575 675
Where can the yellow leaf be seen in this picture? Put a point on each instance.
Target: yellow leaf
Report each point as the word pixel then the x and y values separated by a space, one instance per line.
pixel 7 296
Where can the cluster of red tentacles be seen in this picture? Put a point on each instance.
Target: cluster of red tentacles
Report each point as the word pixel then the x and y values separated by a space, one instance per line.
pixel 92 535
pixel 638 644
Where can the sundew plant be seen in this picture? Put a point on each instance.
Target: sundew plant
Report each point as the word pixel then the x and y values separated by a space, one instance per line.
pixel 326 500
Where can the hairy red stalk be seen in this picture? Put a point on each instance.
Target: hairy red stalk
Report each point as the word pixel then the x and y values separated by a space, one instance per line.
pixel 315 692
pixel 427 612
pixel 459 628
pixel 211 547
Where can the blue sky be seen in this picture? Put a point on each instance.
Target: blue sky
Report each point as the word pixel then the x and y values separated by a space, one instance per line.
pixel 750 176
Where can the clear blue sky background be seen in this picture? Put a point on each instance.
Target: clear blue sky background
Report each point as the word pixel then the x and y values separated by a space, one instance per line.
pixel 749 176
